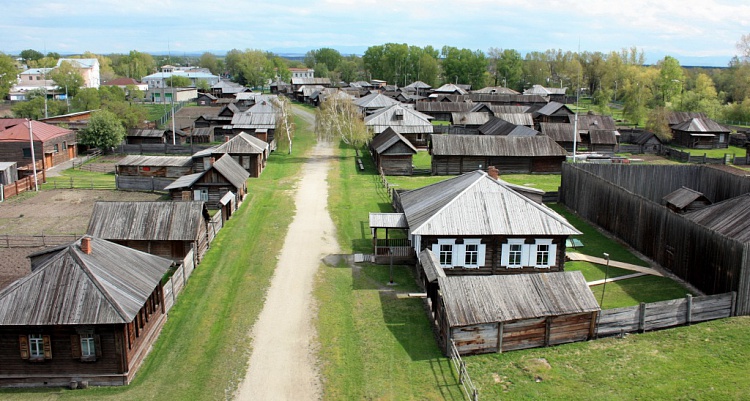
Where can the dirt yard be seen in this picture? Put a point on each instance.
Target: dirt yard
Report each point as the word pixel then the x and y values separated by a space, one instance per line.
pixel 51 212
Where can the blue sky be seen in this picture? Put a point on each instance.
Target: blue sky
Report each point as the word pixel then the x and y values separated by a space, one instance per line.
pixel 697 32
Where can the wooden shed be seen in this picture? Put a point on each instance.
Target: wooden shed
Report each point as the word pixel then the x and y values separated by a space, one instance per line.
pixel 8 173
pixel 150 173
pixel 505 313
pixel 458 154
pixel 393 153
pixel 166 229
pixel 562 133
pixel 553 112
pixel 686 200
pixel 498 126
pixel 210 186
pixel 700 133
pixel 138 136
pixel 91 312
pixel 247 150
pixel 413 125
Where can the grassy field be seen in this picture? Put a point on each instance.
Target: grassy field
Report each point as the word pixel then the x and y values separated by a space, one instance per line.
pixel 202 351
pixel 375 345
pixel 707 361
pixel 545 182
pixel 74 178
pixel 715 153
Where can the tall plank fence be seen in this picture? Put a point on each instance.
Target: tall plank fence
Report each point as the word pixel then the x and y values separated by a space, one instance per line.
pixel 136 183
pixel 664 314
pixel 22 185
pixel 686 157
pixel 178 280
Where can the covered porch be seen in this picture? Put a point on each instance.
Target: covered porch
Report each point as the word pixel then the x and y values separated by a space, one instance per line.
pixel 398 249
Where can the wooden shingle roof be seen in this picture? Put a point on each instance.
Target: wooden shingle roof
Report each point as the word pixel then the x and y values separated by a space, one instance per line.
pixel 431 266
pixel 243 143
pixel 682 197
pixel 476 204
pixel 386 139
pixel 495 145
pixel 401 119
pixel 156 161
pixel 471 300
pixel 700 125
pixel 730 218
pixel 560 132
pixel 154 221
pixel 108 286
pixel 231 170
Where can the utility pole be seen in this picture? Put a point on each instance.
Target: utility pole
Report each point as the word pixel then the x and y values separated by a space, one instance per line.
pixel 33 158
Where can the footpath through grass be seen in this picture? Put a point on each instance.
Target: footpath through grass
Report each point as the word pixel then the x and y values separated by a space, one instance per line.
pixel 202 351
pixel 375 345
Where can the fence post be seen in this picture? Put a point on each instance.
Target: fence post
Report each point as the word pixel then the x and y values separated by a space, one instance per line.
pixel 642 317
pixel 461 369
pixel 71 182
pixel 689 312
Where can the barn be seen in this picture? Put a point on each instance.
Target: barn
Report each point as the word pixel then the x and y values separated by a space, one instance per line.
pixel 212 185
pixel 393 153
pixel 166 229
pixel 484 314
pixel 458 154
pixel 150 173
pixel 90 312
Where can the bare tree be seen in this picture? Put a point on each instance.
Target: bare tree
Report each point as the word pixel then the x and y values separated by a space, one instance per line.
pixel 285 126
pixel 743 46
pixel 338 117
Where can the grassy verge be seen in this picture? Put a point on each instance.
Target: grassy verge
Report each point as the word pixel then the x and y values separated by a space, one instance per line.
pixel 82 179
pixel 545 182
pixel 701 362
pixel 374 344
pixel 202 351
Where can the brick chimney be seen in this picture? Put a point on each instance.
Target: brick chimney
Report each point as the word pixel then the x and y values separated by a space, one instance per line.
pixel 226 138
pixel 493 172
pixel 212 160
pixel 86 245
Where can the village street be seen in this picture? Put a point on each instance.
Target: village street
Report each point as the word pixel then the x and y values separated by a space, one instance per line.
pixel 282 364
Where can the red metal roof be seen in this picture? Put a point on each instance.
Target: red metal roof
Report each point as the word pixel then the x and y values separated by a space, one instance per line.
pixel 19 130
pixel 121 81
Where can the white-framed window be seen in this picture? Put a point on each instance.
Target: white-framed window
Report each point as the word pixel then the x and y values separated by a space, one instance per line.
pixel 514 254
pixel 444 251
pixel 473 253
pixel 36 346
pixel 88 346
pixel 545 253
pixel 470 254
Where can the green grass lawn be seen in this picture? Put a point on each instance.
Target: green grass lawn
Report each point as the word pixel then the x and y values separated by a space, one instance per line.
pixel 156 111
pixel 715 153
pixel 83 179
pixel 545 182
pixel 374 345
pixel 201 353
pixel 706 361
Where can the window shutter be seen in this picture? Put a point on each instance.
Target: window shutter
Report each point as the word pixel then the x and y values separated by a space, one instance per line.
pixel 75 346
pixel 47 343
pixel 504 255
pixel 436 250
pixel 98 345
pixel 553 255
pixel 23 345
pixel 197 195
pixel 481 257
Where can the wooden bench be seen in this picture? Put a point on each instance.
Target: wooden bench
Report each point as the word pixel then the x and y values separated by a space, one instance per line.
pixel 361 166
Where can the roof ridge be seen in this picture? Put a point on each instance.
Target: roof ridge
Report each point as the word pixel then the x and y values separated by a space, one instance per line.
pixel 99 286
pixel 453 200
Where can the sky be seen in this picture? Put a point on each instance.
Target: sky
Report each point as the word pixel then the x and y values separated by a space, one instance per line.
pixel 696 32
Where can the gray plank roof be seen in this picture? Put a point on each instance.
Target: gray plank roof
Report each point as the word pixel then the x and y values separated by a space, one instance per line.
pixel 470 118
pixel 560 132
pixel 587 122
pixel 374 101
pixel 498 126
pixel 186 181
pixel 444 107
pixel 700 125
pixel 231 170
pixel 497 89
pixel 450 88
pixel 682 197
pixel 156 161
pixel 243 143
pixel 108 286
pixel 386 139
pixel 495 145
pixel 146 133
pixel 603 137
pixel 473 300
pixel 677 117
pixel 401 119
pixel 476 204
pixel 526 119
pixel 431 265
pixel 501 109
pixel 388 220
pixel 158 221
pixel 730 218
pixel 554 108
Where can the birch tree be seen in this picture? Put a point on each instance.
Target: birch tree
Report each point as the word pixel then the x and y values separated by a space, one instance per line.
pixel 338 118
pixel 285 126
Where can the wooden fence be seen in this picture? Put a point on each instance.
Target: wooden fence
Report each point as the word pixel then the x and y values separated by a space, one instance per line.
pixel 464 380
pixel 664 314
pixel 137 183
pixel 22 185
pixel 31 241
pixel 79 183
pixel 178 280
pixel 160 148
pixel 214 225
pixel 626 201
pixel 686 157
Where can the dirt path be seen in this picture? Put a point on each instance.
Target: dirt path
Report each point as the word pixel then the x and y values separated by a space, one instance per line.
pixel 283 362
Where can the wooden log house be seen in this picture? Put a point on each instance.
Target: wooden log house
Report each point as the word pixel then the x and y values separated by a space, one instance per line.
pixel 52 145
pixel 393 153
pixel 222 176
pixel 90 313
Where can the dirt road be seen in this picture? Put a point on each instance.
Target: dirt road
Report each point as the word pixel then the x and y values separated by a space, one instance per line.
pixel 283 364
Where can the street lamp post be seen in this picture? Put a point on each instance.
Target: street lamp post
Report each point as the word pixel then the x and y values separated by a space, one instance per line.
pixel 606 276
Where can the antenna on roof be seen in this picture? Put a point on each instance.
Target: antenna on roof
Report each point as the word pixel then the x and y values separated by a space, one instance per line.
pixel 578 92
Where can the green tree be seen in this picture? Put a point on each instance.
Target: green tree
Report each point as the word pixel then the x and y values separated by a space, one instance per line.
pixel 250 67
pixel 464 66
pixel 339 119
pixel 285 126
pixel 109 94
pixel 134 65
pixel 506 66
pixel 104 130
pixel 658 123
pixel 129 115
pixel 178 81
pixel 671 79
pixel 8 74
pixel 208 60
pixel 133 93
pixel 202 85
pixel 54 55
pixel 330 57
pixel 702 98
pixel 67 78
pixel 86 99
pixel 34 106
pixel 349 70
pixel 31 55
